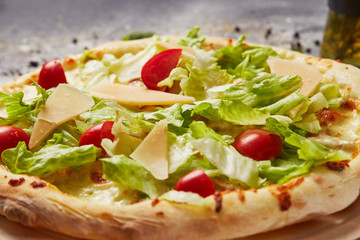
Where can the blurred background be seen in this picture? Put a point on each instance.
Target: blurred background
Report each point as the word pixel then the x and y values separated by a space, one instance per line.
pixel 35 31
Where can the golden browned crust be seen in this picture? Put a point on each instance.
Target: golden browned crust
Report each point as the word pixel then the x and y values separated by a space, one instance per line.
pixel 228 214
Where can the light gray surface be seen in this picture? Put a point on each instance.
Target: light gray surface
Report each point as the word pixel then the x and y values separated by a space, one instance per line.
pixel 41 30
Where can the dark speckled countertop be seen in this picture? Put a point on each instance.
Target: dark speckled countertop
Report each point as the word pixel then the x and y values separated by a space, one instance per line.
pixel 35 31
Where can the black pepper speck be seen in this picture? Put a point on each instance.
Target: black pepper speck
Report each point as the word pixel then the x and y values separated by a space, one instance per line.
pixel 33 64
pixel 268 33
pixel 297 35
pixel 237 29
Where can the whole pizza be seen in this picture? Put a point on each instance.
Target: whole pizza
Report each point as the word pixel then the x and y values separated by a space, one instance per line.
pixel 175 137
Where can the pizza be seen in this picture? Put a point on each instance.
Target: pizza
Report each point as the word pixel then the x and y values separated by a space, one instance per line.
pixel 174 137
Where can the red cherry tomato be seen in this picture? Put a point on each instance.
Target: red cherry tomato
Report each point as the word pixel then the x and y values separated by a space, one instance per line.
pixel 258 144
pixel 197 182
pixel 11 136
pixel 159 67
pixel 51 74
pixel 96 133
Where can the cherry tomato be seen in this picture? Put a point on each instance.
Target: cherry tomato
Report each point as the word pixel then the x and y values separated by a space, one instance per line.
pixel 96 133
pixel 258 144
pixel 159 67
pixel 11 136
pixel 51 74
pixel 197 182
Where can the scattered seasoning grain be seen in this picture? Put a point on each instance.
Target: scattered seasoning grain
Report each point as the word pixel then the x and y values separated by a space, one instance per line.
pixel 33 64
pixel 237 29
pixel 268 33
pixel 317 43
pixel 308 50
pixel 296 35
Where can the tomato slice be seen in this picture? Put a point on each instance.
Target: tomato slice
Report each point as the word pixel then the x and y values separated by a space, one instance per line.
pixel 197 182
pixel 96 133
pixel 51 74
pixel 159 67
pixel 10 137
pixel 258 144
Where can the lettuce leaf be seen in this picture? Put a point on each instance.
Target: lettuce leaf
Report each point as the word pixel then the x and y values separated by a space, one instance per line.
pixel 235 112
pixel 229 161
pixel 307 149
pixel 193 38
pixel 132 175
pixel 264 89
pixel 54 156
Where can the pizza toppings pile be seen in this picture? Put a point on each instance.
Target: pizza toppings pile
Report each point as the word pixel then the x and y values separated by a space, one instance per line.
pixel 176 121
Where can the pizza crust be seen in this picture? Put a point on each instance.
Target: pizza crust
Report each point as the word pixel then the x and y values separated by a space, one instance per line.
pixel 229 214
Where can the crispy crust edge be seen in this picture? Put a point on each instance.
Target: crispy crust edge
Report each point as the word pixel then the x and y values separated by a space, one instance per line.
pixel 228 214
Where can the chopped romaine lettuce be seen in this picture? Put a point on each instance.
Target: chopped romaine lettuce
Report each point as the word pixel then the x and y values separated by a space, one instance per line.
pixel 132 175
pixel 193 39
pixel 53 156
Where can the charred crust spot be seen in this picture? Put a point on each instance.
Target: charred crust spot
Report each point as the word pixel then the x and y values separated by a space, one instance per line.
pixel 96 177
pixel 281 192
pixel 337 166
pixel 284 198
pixel 154 202
pixel 241 194
pixel 218 201
pixel 38 184
pixel 160 214
pixel 16 182
pixel 318 179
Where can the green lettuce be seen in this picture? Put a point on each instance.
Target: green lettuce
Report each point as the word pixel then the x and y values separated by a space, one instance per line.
pixel 229 161
pixel 132 175
pixel 53 156
pixel 193 38
pixel 306 148
pixel 235 112
pixel 264 89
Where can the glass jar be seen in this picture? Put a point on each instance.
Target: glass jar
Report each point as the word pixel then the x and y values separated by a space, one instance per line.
pixel 342 32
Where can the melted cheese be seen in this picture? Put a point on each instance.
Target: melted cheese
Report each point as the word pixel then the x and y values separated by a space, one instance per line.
pixel 63 104
pixel 135 95
pixel 310 75
pixel 152 152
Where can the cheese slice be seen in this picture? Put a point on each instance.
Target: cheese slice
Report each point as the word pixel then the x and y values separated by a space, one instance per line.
pixel 310 75
pixel 63 104
pixel 152 152
pixel 136 95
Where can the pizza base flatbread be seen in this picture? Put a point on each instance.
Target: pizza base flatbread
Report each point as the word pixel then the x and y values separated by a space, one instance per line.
pixel 228 214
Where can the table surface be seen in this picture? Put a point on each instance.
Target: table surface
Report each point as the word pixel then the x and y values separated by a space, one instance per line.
pixel 35 31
